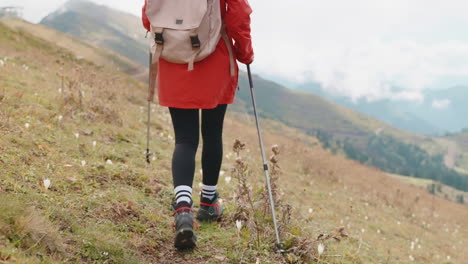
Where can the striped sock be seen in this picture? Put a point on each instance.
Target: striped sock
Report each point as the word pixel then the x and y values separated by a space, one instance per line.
pixel 208 191
pixel 183 193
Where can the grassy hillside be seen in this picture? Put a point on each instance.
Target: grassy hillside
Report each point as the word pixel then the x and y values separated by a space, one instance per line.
pixel 81 49
pixel 455 149
pixel 81 127
pixel 461 149
pixel 436 188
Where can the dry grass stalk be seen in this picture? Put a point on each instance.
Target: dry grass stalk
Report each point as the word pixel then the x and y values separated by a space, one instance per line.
pixel 275 172
pixel 100 105
pixel 246 208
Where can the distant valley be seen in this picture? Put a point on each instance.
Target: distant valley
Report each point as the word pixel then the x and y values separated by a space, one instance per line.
pixel 443 110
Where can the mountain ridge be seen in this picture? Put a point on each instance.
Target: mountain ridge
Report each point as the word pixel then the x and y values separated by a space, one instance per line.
pixel 102 26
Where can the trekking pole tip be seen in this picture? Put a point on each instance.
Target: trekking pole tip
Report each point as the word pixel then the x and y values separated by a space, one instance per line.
pixel 148 155
pixel 280 249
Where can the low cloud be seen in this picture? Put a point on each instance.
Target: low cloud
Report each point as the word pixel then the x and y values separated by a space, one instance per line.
pixel 363 49
pixel 441 104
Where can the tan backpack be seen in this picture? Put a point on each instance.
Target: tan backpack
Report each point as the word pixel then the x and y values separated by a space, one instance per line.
pixel 184 32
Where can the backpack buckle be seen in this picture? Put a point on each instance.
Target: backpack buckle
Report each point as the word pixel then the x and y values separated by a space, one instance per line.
pixel 158 38
pixel 195 42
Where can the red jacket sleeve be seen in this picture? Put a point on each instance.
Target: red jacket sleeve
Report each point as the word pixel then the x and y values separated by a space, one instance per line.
pixel 144 18
pixel 237 21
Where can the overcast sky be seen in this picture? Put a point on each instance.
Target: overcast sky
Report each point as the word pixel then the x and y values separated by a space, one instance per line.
pixel 359 48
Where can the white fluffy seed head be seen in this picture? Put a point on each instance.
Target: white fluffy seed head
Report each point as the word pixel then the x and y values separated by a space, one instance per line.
pixel 46 184
pixel 239 225
pixel 321 249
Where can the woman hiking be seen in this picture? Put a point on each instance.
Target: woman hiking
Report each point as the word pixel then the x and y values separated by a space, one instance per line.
pixel 208 84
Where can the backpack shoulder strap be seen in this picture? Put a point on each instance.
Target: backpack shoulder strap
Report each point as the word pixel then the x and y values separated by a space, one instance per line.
pixel 230 51
pixel 156 52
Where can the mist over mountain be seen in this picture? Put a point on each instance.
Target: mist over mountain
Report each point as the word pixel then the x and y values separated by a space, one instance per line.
pixel 441 111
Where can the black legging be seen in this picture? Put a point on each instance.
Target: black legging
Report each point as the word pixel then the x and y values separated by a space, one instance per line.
pixel 187 135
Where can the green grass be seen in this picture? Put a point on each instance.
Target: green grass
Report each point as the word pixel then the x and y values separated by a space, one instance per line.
pixel 440 189
pixel 415 181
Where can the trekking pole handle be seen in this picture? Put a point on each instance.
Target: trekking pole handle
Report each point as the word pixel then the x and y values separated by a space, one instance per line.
pixel 250 76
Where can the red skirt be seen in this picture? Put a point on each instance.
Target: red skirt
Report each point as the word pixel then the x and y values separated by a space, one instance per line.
pixel 207 86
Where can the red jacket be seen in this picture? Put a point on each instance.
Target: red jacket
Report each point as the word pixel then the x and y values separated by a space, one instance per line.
pixel 210 83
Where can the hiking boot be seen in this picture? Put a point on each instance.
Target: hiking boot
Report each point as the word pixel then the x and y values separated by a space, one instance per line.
pixel 210 209
pixel 184 226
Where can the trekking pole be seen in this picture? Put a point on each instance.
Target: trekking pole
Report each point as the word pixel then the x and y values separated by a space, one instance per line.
pixel 148 153
pixel 265 164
